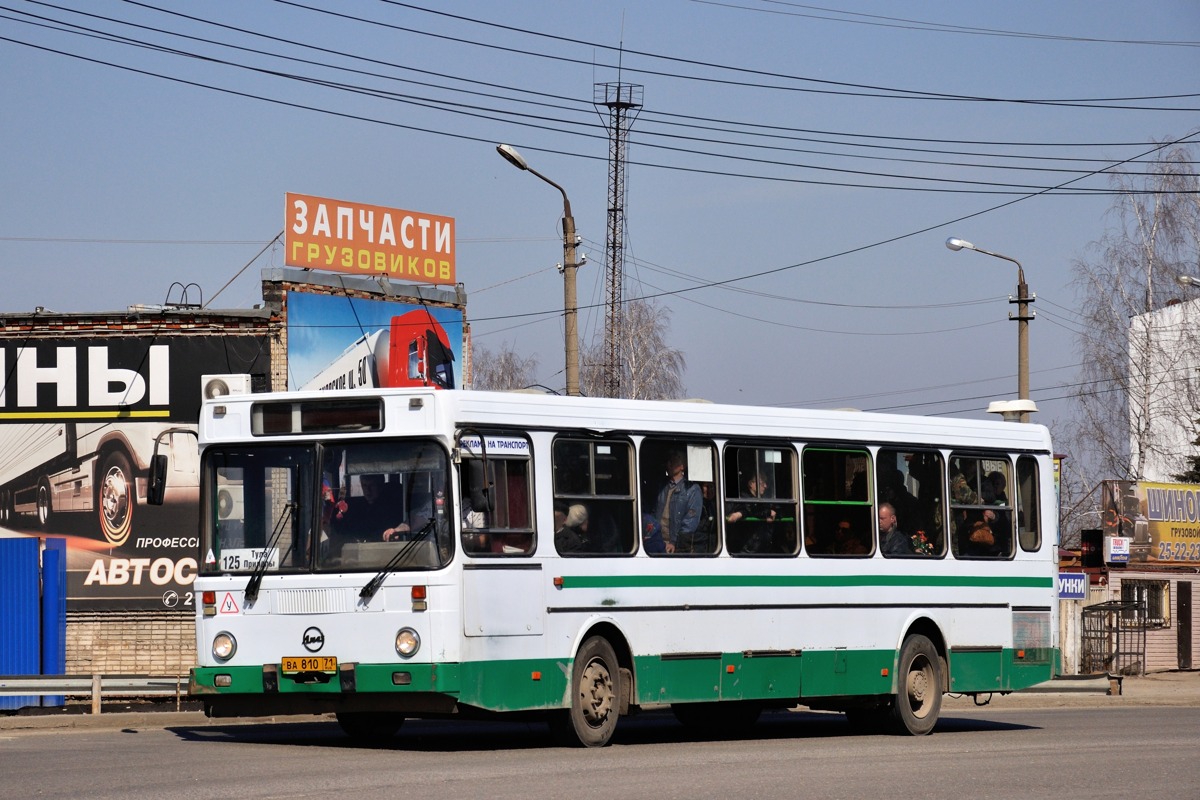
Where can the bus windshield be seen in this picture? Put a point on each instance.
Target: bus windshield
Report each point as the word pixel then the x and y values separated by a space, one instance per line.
pixel 259 509
pixel 273 509
pixel 379 498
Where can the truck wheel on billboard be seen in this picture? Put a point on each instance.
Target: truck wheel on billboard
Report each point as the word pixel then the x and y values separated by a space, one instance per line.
pixel 44 510
pixel 116 497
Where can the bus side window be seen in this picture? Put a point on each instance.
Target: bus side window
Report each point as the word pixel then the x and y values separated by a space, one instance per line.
pixel 910 481
pixel 596 475
pixel 981 514
pixel 678 509
pixel 760 501
pixel 1029 529
pixel 496 516
pixel 838 508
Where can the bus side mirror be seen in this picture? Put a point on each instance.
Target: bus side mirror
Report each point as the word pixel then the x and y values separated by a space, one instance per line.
pixel 156 486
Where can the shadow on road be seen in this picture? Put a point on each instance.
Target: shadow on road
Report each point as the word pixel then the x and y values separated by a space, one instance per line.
pixel 656 727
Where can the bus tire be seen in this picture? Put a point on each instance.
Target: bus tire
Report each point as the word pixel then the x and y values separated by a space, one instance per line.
pixel 116 496
pixel 918 697
pixel 369 727
pixel 595 696
pixel 45 506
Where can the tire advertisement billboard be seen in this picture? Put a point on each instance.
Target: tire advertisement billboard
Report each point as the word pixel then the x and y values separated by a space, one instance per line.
pixel 1152 522
pixel 79 421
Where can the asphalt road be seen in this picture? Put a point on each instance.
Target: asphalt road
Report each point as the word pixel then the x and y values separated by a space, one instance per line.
pixel 1114 751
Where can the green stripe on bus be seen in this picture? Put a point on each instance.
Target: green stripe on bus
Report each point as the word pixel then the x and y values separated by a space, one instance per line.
pixel 726 581
pixel 784 677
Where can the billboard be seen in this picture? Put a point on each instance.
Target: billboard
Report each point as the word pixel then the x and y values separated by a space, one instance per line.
pixel 339 342
pixel 361 239
pixel 1160 520
pixel 79 420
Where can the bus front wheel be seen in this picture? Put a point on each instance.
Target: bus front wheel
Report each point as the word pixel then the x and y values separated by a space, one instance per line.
pixel 919 691
pixel 595 696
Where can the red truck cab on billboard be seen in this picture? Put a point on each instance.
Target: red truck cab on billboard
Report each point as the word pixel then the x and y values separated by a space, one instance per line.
pixel 414 350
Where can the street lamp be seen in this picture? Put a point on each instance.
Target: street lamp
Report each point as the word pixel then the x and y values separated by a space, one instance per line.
pixel 1023 299
pixel 570 305
pixel 1188 280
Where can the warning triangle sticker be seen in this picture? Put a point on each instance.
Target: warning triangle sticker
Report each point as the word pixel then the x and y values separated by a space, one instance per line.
pixel 211 558
pixel 228 604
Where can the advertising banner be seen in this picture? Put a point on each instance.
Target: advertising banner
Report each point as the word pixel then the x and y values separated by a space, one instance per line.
pixel 339 342
pixel 1162 520
pixel 360 239
pixel 79 420
pixel 1072 586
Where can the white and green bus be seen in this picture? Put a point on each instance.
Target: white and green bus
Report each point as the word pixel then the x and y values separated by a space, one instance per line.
pixel 402 553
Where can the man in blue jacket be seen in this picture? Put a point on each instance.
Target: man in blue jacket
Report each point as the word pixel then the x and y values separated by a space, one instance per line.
pixel 678 510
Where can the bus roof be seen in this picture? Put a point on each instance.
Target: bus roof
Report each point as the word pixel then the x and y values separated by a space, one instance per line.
pixel 455 408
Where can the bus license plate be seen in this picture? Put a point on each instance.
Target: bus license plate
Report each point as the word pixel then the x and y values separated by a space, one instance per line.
pixel 292 665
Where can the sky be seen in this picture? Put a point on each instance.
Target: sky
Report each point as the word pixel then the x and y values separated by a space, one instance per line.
pixel 793 171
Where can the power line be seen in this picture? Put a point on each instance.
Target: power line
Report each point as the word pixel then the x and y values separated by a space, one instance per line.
pixel 944 184
pixel 868 90
pixel 937 27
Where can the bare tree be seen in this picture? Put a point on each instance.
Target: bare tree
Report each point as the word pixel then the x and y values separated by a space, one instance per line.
pixel 1138 393
pixel 650 369
pixel 503 370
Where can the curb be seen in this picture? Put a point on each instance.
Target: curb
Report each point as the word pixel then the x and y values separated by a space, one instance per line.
pixel 1080 684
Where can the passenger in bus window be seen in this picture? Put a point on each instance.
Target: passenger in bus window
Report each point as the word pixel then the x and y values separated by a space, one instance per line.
pixel 570 528
pixel 892 541
pixel 752 523
pixel 474 523
pixel 962 493
pixel 371 517
pixel 421 510
pixel 677 510
pixel 847 541
pixel 995 493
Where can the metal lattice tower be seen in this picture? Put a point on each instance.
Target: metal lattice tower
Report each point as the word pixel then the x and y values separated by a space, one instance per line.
pixel 623 100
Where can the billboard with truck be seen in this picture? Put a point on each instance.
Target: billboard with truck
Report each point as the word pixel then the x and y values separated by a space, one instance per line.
pixel 79 421
pixel 339 342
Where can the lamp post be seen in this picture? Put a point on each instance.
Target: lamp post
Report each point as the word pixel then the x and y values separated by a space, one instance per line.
pixel 1023 299
pixel 570 304
pixel 1188 280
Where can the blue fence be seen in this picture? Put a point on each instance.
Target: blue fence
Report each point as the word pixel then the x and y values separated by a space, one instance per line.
pixel 33 613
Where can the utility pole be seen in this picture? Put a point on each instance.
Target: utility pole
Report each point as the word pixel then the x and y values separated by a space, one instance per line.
pixel 570 266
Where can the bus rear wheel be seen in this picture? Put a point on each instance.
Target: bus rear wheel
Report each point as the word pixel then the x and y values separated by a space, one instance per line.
pixel 369 727
pixel 918 697
pixel 595 697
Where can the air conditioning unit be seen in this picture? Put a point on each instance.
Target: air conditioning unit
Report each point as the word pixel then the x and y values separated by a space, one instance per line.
pixel 212 386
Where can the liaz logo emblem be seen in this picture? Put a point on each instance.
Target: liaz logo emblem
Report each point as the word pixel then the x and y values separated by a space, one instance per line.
pixel 313 640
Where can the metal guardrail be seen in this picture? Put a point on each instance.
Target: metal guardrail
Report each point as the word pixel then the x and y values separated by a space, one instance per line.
pixel 97 687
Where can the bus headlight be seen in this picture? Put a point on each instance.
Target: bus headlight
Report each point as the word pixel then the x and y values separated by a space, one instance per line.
pixel 224 646
pixel 407 642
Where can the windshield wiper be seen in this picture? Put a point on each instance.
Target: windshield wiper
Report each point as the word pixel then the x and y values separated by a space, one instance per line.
pixel 264 560
pixel 368 591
